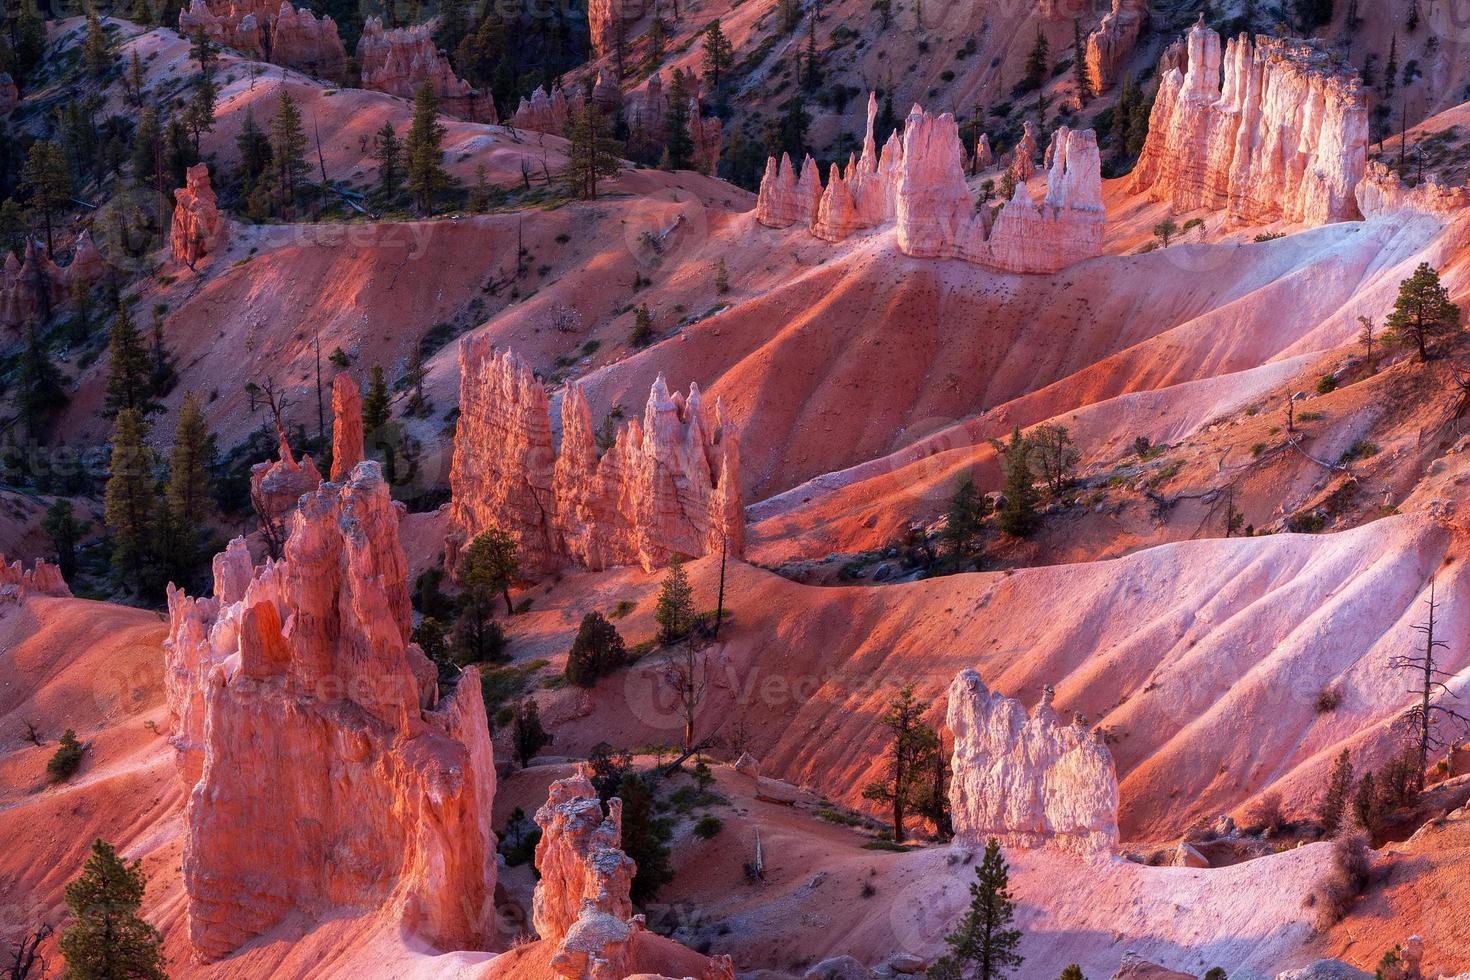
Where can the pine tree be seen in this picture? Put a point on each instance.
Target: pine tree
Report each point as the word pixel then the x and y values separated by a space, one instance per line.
pixel 129 499
pixel 790 15
pixel 962 523
pixel 1072 972
pixel 658 37
pixel 678 146
pixel 375 403
pixel 792 131
pixel 424 148
pixel 288 149
pixel 96 48
pixel 674 613
pixel 1018 513
pixel 1335 802
pixel 1423 311
pixel 592 153
pixel 489 567
pixel 189 489
pixel 597 650
pixel 28 44
pixel 107 939
pixel 528 736
pixel 642 334
pixel 146 147
pixel 1138 118
pixel 645 838
pixel 984 943
pixel 47 180
pixel 388 151
pixel 904 785
pixel 1079 66
pixel 1038 62
pixel 65 532
pixel 255 152
pixel 39 382
pixel 811 79
pixel 130 370
pixel 135 79
pixel 1366 805
pixel 718 57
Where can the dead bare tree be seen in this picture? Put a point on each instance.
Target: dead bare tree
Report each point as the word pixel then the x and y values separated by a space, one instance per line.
pixel 1421 719
pixel 272 528
pixel 24 955
pixel 276 399
pixel 687 675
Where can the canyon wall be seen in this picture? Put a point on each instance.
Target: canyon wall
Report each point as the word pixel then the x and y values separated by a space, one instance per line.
pixel 271 30
pixel 43 578
pixel 401 60
pixel 199 227
pixel 1028 782
pixel 668 484
pixel 917 183
pixel 608 19
pixel 299 676
pixel 1380 192
pixel 1285 139
pixel 30 289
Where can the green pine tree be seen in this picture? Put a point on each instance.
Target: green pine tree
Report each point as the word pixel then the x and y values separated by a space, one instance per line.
pixel 592 152
pixel 65 531
pixel 130 369
pixel 146 147
pixel 376 404
pixel 489 567
pixel 28 44
pixel 39 382
pixel 1038 62
pixel 128 501
pixel 288 150
pixel 96 47
pixel 255 152
pixel 388 151
pixel 424 149
pixel 1080 74
pixel 190 488
pixel 967 509
pixel 1072 972
pixel 1017 514
pixel 906 781
pixel 107 939
pixel 1423 311
pixel 678 145
pixel 984 943
pixel 46 180
pixel 719 56
pixel 1335 801
pixel 645 839
pixel 597 650
pixel 674 613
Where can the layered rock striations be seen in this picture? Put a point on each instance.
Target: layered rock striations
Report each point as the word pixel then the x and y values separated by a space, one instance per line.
pixel 1285 139
pixel 199 227
pixel 1028 782
pixel 1380 193
pixel 917 183
pixel 669 484
pixel 299 676
pixel 1109 46
pixel 270 30
pixel 43 578
pixel 401 60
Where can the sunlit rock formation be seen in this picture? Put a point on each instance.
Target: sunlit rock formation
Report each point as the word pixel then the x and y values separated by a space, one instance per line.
pixel 1028 782
pixel 1109 46
pixel 984 156
pixel 1285 139
pixel 1023 156
pixel 401 60
pixel 669 483
pixel 543 112
pixel 18 582
pixel 918 184
pixel 324 772
pixel 609 21
pixel 1380 192
pixel 199 227
pixel 346 427
pixel 270 30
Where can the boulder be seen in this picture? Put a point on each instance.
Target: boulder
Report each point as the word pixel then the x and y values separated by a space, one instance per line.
pixel 1325 970
pixel 1188 856
pixel 746 765
pixel 1135 967
pixel 838 968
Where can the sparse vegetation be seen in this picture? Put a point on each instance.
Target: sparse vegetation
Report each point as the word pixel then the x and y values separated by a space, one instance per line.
pixel 67 760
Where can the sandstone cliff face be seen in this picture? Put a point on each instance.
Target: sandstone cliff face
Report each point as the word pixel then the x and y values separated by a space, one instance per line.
pixel 1028 782
pixel 668 485
pixel 36 286
pixel 400 61
pixel 1109 46
pixel 18 582
pixel 199 227
pixel 1285 139
pixel 346 427
pixel 606 19
pixel 299 676
pixel 271 30
pixel 1380 193
pixel 918 184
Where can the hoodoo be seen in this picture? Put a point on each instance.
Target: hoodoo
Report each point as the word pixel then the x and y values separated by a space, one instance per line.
pixel 298 676
pixel 271 30
pixel 1286 139
pixel 918 183
pixel 668 485
pixel 401 60
pixel 1028 782
pixel 199 227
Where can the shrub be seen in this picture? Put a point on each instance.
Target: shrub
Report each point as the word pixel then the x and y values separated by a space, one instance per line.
pixel 1326 384
pixel 596 652
pixel 67 760
pixel 1328 699
pixel 1216 973
pixel 622 609
pixel 1362 449
pixel 708 826
pixel 868 891
pixel 1336 890
pixel 1267 814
